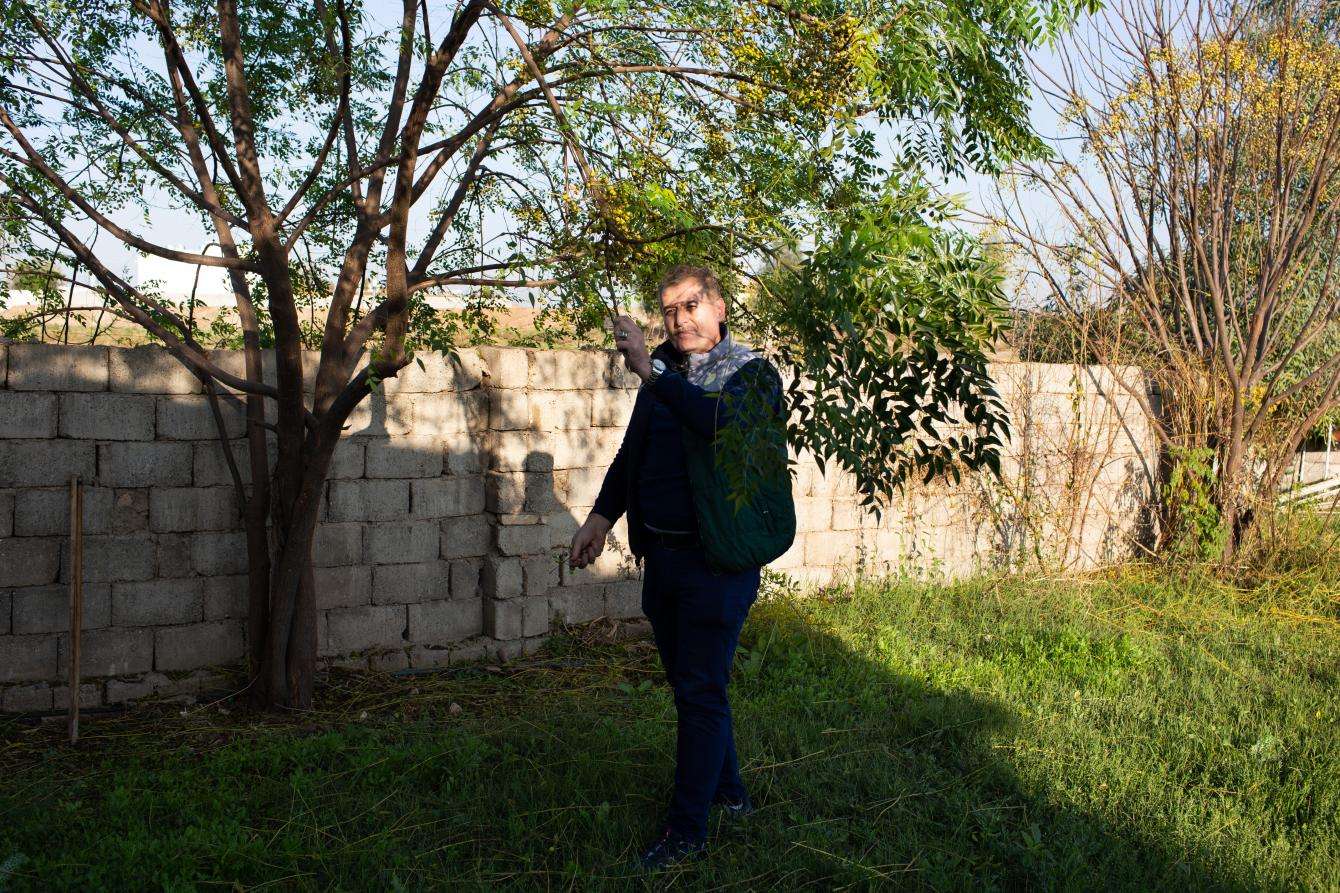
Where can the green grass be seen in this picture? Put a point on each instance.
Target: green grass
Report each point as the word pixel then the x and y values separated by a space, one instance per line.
pixel 1138 731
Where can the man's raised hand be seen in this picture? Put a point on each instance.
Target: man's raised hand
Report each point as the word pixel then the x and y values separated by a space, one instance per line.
pixel 630 341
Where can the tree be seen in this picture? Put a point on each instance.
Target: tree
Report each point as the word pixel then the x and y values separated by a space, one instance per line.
pixel 1202 223
pixel 328 155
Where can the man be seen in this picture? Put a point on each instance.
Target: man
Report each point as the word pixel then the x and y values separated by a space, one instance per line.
pixel 702 552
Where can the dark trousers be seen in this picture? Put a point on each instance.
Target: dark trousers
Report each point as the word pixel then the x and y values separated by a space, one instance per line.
pixel 696 617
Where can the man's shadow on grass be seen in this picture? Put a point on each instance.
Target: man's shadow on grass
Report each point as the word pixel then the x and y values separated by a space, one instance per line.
pixel 876 778
pixel 864 777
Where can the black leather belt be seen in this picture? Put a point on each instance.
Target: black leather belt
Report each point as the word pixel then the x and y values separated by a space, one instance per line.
pixel 673 540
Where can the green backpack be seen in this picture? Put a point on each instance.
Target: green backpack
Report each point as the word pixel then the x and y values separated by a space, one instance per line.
pixel 741 536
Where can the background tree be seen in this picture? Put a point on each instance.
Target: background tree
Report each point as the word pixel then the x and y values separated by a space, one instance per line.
pixel 1200 231
pixel 368 154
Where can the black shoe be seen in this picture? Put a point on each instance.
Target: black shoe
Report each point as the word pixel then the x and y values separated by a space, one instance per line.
pixel 736 811
pixel 671 848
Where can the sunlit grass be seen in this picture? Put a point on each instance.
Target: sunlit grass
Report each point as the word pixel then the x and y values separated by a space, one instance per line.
pixel 1138 730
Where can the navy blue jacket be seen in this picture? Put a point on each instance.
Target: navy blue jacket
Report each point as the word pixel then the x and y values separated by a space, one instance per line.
pixel 701 411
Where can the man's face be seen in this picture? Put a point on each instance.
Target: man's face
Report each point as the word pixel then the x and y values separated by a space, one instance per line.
pixel 693 317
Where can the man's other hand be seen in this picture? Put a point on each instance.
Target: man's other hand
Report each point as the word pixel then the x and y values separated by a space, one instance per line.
pixel 589 540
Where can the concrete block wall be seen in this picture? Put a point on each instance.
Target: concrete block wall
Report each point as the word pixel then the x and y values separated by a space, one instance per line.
pixel 451 503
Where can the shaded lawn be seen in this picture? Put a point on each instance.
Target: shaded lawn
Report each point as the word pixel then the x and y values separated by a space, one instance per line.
pixel 1130 731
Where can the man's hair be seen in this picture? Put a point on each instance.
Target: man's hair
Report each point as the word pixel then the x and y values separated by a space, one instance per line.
pixel 684 272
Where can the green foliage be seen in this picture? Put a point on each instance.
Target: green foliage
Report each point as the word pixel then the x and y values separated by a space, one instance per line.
pixel 888 322
pixel 730 133
pixel 1195 530
pixel 1150 730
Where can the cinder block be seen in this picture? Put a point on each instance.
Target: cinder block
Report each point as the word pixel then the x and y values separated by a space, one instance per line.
pixel 503 619
pixel 505 492
pixel 110 652
pixel 225 597
pixel 113 559
pixel 7 498
pixel 214 553
pixel 464 537
pixel 174 555
pixel 848 515
pixel 122 690
pixel 567 369
pixel 46 609
pixel 130 464
pixel 24 415
pixel 90 695
pixel 503 577
pixel 584 484
pixel 623 599
pixel 184 509
pixel 442 415
pixel 429 656
pixel 26 698
pixel 428 372
pixel 540 574
pixel 510 493
pixel 349 630
pixel 464 453
pixel 158 602
pixel 519 451
pixel 406 543
pixel 535 616
pixel 404 457
pixel 29 561
pixel 234 362
pixel 211 468
pixel 130 511
pixel 561 410
pixel 381 416
pixel 829 550
pixel 440 622
pixel 347 461
pixel 4 364
pixel 509 410
pixel 149 370
pixel 466 577
pixel 57 367
pixel 505 367
pixel 476 411
pixel 45 463
pixel 336 545
pixel 343 587
pixel 612 407
pixel 578 604
pixel 467 369
pixel 107 416
pixel 530 539
pixel 368 500
pixel 399 584
pixel 584 447
pixel 24 658
pixel 814 513
pixel 210 644
pixel 447 497
pixel 47 512
pixel 191 418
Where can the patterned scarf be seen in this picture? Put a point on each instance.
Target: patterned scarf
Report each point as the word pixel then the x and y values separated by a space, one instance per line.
pixel 710 371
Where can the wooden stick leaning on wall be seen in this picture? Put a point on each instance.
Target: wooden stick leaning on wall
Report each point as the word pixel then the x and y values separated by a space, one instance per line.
pixel 76 596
